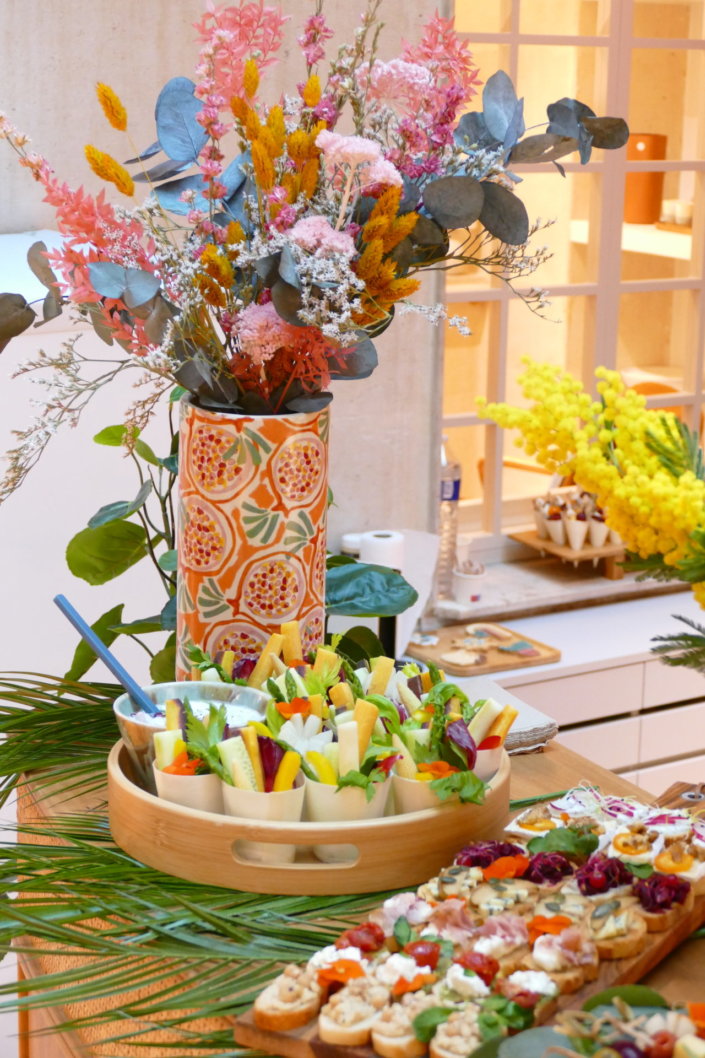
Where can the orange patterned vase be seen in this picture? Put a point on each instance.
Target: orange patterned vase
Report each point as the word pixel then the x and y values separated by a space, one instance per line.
pixel 253 499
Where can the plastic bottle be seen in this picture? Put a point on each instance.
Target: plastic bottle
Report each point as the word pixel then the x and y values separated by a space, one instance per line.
pixel 447 521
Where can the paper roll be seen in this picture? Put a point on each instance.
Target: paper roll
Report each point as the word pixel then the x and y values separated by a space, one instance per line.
pixel 383 547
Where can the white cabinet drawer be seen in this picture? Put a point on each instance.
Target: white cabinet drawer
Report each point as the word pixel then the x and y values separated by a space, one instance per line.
pixel 614 744
pixel 589 696
pixel 672 732
pixel 665 683
pixel 656 780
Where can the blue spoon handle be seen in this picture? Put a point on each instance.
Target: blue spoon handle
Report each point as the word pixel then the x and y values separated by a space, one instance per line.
pixel 138 696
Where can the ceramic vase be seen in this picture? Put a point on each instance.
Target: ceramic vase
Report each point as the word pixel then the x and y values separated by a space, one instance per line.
pixel 251 529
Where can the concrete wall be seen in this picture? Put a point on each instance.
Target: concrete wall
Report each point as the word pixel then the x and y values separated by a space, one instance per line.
pixel 385 429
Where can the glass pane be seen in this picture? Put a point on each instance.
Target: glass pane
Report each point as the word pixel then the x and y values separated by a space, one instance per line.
pixel 466 357
pixel 657 335
pixel 570 17
pixel 668 18
pixel 467 444
pixel 563 336
pixel 488 58
pixel 566 203
pixel 477 16
pixel 547 72
pixel 660 244
pixel 664 99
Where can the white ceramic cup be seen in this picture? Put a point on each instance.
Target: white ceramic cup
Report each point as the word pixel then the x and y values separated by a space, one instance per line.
pixel 190 791
pixel 284 806
pixel 467 586
pixel 328 804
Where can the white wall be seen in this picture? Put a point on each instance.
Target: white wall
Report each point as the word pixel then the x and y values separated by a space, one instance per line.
pixel 385 429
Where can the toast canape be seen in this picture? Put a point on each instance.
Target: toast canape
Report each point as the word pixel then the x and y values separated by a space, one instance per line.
pixel 671 822
pixel 393 1033
pixel 548 870
pixel 456 881
pixel 618 930
pixel 601 878
pixel 560 958
pixel 504 937
pixel 635 843
pixel 506 894
pixel 686 858
pixel 573 906
pixel 535 820
pixel 408 906
pixel 458 1036
pixel 290 1001
pixel 454 920
pixel 662 900
pixel 349 1015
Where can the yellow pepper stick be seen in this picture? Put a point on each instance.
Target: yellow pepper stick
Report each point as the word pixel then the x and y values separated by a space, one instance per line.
pixel 227 662
pixel 325 772
pixel 265 663
pixel 365 714
pixel 287 771
pixel 292 649
pixel 341 696
pixel 500 727
pixel 249 737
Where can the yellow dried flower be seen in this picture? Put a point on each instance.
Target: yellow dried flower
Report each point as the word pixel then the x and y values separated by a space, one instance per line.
pixel 291 182
pixel 276 126
pixel 239 108
pixel 211 291
pixel 398 230
pixel 112 107
pixel 311 93
pixel 309 177
pixel 250 79
pixel 252 124
pixel 216 264
pixel 262 165
pixel 369 261
pixel 108 169
pixel 387 205
pixel 268 142
pixel 235 233
pixel 297 146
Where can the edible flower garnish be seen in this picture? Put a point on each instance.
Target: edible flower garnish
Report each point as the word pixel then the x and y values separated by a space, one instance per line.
pixel 183 765
pixel 339 972
pixel 297 706
pixel 403 985
pixel 304 735
pixel 507 867
pixel 541 924
pixel 437 769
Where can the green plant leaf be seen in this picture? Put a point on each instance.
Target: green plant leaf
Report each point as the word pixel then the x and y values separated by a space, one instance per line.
pixel 142 449
pixel 364 590
pixel 139 627
pixel 168 561
pixel 112 436
pixel 576 844
pixel 532 1043
pixel 113 512
pixel 168 615
pixel 359 644
pixel 162 667
pixel 634 995
pixel 426 1023
pixel 101 554
pixel 84 656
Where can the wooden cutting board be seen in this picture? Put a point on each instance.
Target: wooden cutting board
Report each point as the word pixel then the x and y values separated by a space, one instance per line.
pixel 304 1042
pixel 499 653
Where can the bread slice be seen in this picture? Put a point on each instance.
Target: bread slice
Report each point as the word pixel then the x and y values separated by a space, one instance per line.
pixel 509 894
pixel 290 1001
pixel 349 1015
pixel 618 932
pixel 392 1033
pixel 459 1035
pixel 660 921
pixel 567 981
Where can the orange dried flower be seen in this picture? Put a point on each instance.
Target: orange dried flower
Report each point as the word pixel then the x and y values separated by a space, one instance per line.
pixel 250 78
pixel 104 166
pixel 112 107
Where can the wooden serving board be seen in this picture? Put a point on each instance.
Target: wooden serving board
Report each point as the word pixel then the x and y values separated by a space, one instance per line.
pixel 304 1042
pixel 497 659
pixel 610 555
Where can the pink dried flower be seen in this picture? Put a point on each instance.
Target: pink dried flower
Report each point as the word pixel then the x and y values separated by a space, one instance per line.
pixel 316 235
pixel 231 35
pixel 311 41
pixel 347 150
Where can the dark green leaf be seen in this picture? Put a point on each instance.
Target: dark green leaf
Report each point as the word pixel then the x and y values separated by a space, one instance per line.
pixel 454 201
pixel 403 933
pixel 84 656
pixel 634 995
pixel 543 147
pixel 488 1049
pixel 426 1023
pixel 162 667
pixel 170 463
pixel 364 590
pixel 359 644
pixel 339 560
pixel 640 870
pixel 168 615
pixel 465 784
pixel 101 554
pixel 357 362
pixel 287 300
pixel 112 512
pixel 140 627
pixel 177 393
pixel 575 843
pixel 504 215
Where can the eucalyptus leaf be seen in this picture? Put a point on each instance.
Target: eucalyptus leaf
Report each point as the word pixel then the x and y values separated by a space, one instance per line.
pixel 499 105
pixel 504 215
pixel 180 135
pixel 309 402
pixel 357 362
pixel 148 152
pixel 169 195
pixel 101 554
pixel 364 590
pixel 99 323
pixel 51 306
pixel 158 319
pixel 544 147
pixel 107 278
pixel 162 667
pixel 37 261
pixel 287 301
pixel 112 512
pixel 162 171
pixel 84 656
pixel 454 201
pixel 472 132
pixel 287 267
pixel 15 316
pixel 532 1043
pixel 607 133
pixel 267 268
pixel 140 287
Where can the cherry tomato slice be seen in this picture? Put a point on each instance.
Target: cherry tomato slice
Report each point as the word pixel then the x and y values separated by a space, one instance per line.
pixel 423 952
pixel 368 936
pixel 484 965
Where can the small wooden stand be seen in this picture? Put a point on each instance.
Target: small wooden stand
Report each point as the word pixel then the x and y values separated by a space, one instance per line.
pixel 611 555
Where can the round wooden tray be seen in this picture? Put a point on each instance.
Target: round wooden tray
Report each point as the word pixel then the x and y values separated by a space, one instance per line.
pixel 394 851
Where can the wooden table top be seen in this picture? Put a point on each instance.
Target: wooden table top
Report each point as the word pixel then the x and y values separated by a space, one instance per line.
pixel 680 977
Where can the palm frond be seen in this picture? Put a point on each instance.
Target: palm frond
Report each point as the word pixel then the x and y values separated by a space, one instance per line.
pixel 651 568
pixel 686 649
pixel 680 451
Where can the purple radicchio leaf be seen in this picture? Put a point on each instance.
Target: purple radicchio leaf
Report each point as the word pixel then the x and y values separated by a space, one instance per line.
pixel 457 733
pixel 271 755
